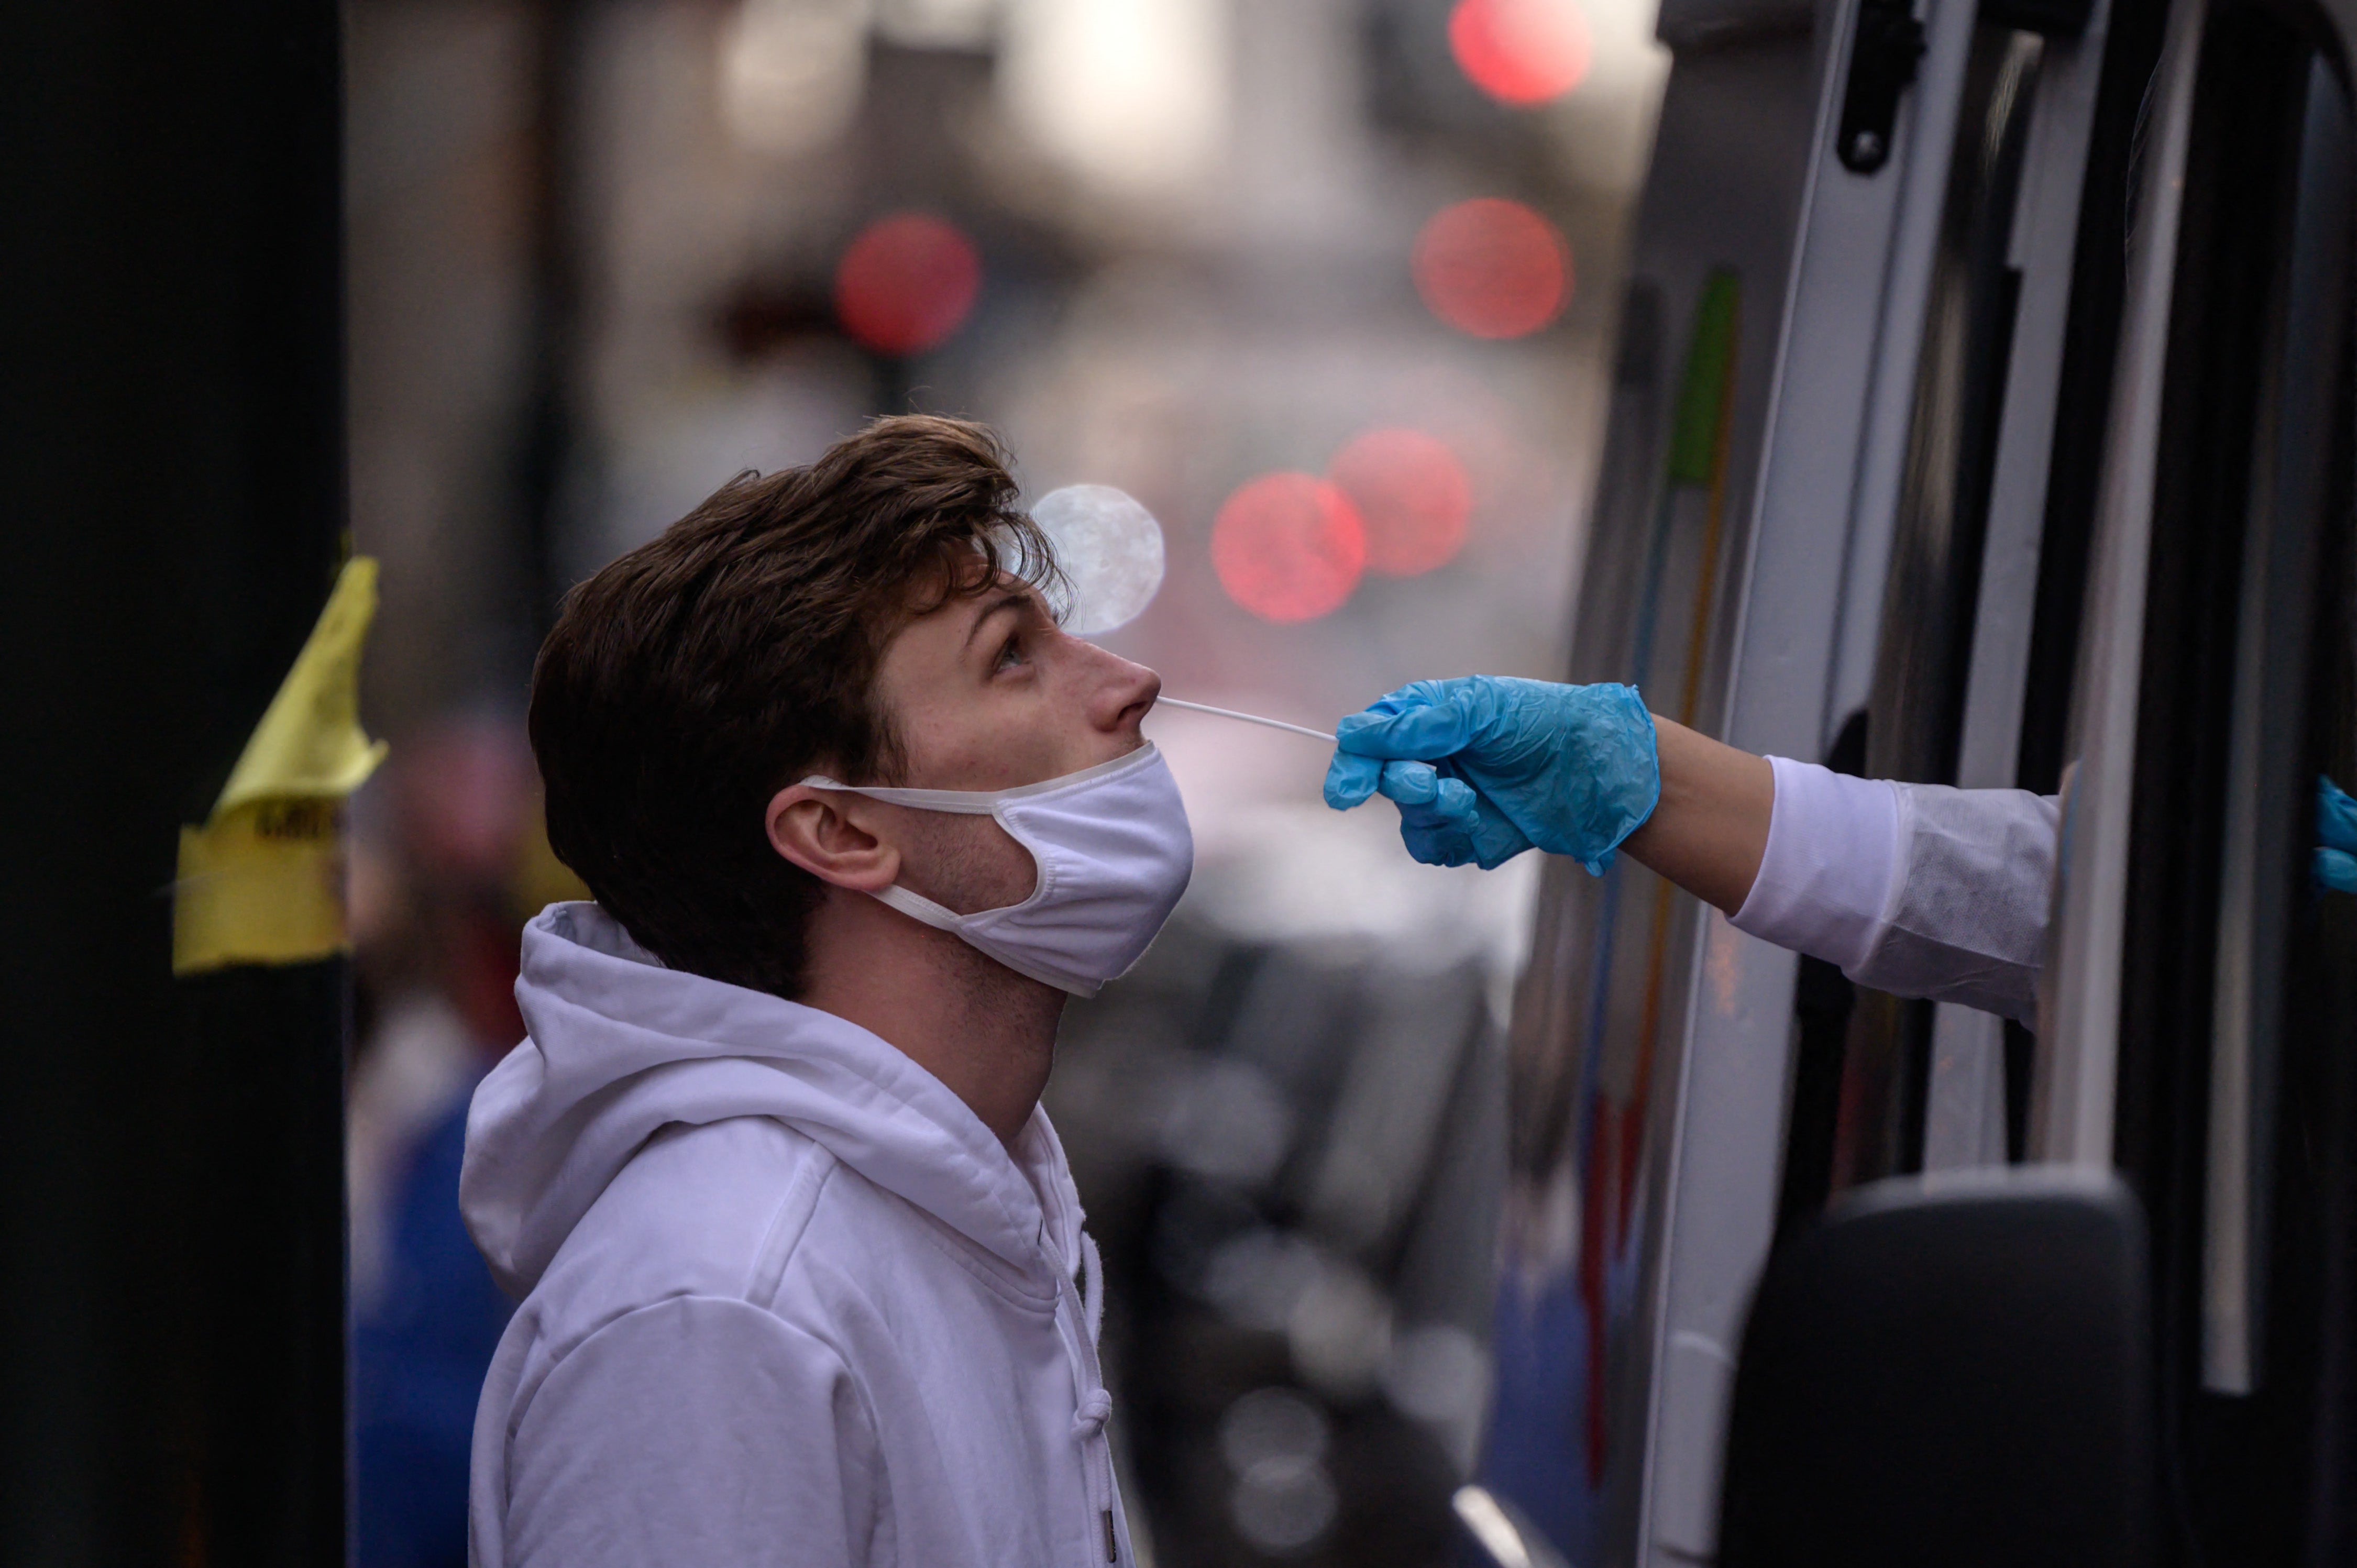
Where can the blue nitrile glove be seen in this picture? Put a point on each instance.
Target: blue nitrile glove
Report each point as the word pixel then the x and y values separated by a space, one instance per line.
pixel 1442 821
pixel 2336 832
pixel 1484 767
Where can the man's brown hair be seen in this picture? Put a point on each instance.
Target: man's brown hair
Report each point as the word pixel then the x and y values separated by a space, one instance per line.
pixel 693 678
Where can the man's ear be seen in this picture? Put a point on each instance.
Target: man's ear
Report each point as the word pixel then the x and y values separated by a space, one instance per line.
pixel 831 835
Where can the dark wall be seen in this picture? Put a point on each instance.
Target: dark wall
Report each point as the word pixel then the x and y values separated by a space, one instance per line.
pixel 171 1257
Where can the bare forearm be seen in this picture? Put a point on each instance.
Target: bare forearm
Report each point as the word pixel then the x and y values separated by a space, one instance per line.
pixel 1710 831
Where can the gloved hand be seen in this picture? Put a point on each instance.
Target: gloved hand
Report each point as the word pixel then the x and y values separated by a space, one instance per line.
pixel 1484 767
pixel 2336 832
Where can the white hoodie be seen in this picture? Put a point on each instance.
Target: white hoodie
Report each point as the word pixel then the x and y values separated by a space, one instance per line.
pixel 785 1299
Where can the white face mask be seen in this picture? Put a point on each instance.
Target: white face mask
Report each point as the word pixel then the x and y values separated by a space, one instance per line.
pixel 1113 853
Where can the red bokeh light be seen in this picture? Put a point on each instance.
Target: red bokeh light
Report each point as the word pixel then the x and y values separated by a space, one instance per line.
pixel 907 283
pixel 1492 268
pixel 1412 496
pixel 1521 52
pixel 1288 547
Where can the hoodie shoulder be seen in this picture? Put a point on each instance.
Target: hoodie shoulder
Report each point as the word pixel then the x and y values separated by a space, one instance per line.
pixel 712 1210
pixel 623 1053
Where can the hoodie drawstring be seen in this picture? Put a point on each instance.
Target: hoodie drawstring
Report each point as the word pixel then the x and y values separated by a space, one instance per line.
pixel 1092 1287
pixel 1094 1406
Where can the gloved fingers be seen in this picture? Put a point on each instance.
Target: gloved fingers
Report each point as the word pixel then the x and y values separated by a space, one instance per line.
pixel 1449 802
pixel 1350 780
pixel 1414 694
pixel 1442 829
pixel 1438 843
pixel 1420 784
pixel 2336 816
pixel 1496 856
pixel 2336 870
pixel 1426 724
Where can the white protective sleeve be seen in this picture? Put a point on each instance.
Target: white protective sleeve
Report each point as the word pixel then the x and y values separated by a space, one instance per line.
pixel 1915 889
pixel 696 1432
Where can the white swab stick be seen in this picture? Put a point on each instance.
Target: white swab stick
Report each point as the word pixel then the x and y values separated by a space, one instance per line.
pixel 1247 718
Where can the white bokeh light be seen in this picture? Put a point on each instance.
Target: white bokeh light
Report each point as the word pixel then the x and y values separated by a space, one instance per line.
pixel 1130 96
pixel 791 72
pixel 1110 548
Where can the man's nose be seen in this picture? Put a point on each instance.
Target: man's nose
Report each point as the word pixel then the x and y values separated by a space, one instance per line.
pixel 1124 693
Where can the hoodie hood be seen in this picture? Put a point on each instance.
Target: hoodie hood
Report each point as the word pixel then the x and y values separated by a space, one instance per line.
pixel 621 1046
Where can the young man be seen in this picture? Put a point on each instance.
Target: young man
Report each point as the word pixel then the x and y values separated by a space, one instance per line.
pixel 796 1249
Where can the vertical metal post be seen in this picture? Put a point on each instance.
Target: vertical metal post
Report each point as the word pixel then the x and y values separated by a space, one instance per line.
pixel 171 1246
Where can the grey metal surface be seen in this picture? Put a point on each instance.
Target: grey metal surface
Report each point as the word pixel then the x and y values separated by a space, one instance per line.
pixel 2044 241
pixel 1920 163
pixel 1600 1028
pixel 1929 598
pixel 1713 1140
pixel 1827 493
pixel 1649 1126
pixel 1965 1114
pixel 2263 753
pixel 1689 25
pixel 2074 1085
pixel 1924 647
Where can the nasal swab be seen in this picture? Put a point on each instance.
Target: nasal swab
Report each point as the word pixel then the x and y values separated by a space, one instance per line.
pixel 1247 718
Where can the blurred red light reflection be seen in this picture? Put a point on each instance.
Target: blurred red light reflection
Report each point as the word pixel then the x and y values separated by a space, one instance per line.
pixel 1521 52
pixel 907 283
pixel 1412 496
pixel 1492 268
pixel 1288 547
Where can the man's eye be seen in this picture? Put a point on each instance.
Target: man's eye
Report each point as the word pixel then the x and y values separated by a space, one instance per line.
pixel 1009 655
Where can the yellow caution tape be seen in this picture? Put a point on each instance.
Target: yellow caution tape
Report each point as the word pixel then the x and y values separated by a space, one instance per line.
pixel 263 881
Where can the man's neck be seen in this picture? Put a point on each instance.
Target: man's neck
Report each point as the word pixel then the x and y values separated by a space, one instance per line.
pixel 986 1032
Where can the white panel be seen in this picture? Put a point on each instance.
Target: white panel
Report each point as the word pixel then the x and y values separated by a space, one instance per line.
pixel 1721 1216
pixel 1696 1378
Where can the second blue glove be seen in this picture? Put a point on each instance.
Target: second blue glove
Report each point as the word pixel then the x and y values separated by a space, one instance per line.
pixel 2336 837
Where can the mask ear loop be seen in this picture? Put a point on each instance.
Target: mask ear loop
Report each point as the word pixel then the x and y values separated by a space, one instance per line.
pixel 985 802
pixel 960 802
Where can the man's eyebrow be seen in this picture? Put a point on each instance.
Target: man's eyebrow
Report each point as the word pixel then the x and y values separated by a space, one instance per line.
pixel 1017 599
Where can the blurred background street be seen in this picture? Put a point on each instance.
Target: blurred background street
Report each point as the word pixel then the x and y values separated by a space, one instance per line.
pixel 1328 285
